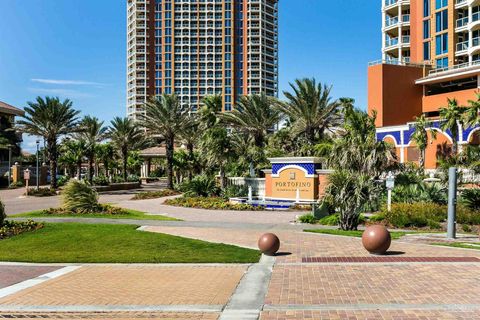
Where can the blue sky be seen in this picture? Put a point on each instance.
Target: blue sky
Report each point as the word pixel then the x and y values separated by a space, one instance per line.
pixel 76 49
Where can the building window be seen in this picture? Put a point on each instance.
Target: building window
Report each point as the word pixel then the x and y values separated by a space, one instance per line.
pixel 426 8
pixel 441 19
pixel 426 29
pixel 426 51
pixel 441 43
pixel 442 63
pixel 441 4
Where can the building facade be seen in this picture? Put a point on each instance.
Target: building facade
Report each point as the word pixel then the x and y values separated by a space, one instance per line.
pixel 431 53
pixel 194 48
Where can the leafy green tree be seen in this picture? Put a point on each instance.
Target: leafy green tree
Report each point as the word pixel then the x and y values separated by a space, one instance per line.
pixel 255 115
pixel 420 136
pixel 212 107
pixel 71 155
pixel 216 150
pixel 92 131
pixel 8 138
pixel 125 136
pixel 311 110
pixel 106 154
pixel 166 117
pixel 452 117
pixel 51 119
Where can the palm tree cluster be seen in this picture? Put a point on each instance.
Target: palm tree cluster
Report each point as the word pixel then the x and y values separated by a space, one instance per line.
pixel 236 143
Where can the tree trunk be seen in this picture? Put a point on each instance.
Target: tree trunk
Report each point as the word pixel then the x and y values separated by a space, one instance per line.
pixel 90 170
pixel 454 147
pixel 125 160
pixel 421 159
pixel 79 170
pixel 190 157
pixel 310 132
pixel 222 178
pixel 348 221
pixel 170 149
pixel 105 165
pixel 52 151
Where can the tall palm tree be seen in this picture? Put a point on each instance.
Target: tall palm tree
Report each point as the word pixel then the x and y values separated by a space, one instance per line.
pixel 472 113
pixel 51 119
pixel 72 153
pixel 311 109
pixel 92 132
pixel 216 149
pixel 212 106
pixel 166 118
pixel 452 117
pixel 105 153
pixel 125 136
pixel 420 136
pixel 255 115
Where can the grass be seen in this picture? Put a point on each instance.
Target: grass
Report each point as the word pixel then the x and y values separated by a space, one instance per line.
pixel 356 233
pixel 101 243
pixel 464 245
pixel 132 214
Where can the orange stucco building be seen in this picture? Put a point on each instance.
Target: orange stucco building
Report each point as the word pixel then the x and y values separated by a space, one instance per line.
pixel 431 53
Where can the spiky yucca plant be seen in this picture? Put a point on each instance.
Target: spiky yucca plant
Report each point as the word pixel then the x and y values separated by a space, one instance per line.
pixel 78 197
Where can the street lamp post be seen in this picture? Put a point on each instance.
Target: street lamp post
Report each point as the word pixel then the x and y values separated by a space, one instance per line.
pixel 38 175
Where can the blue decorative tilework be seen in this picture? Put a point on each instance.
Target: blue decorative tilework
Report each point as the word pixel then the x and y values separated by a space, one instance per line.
pixel 468 131
pixel 309 167
pixel 394 134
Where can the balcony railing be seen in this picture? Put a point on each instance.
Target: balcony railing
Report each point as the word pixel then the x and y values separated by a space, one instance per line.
pixel 475 16
pixel 390 2
pixel 454 67
pixel 406 18
pixel 476 42
pixel 458 2
pixel 462 46
pixel 391 42
pixel 405 39
pixel 462 22
pixel 391 21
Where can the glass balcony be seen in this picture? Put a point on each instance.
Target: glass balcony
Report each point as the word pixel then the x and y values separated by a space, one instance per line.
pixel 476 42
pixel 405 39
pixel 391 2
pixel 391 42
pixel 391 21
pixel 462 22
pixel 406 18
pixel 475 16
pixel 462 46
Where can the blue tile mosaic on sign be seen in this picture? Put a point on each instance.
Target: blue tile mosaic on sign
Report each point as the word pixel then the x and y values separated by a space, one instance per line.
pixel 309 167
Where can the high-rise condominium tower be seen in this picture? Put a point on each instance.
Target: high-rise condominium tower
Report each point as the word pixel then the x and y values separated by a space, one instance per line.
pixel 195 48
pixel 431 58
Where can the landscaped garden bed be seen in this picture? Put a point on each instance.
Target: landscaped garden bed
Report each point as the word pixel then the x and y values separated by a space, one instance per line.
pixel 120 213
pixel 212 203
pixel 102 243
pixel 12 228
pixel 41 192
pixel 356 233
pixel 155 194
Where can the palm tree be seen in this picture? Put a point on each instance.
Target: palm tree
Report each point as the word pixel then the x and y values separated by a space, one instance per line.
pixel 125 136
pixel 72 153
pixel 452 117
pixel 255 115
pixel 311 109
pixel 166 118
pixel 216 149
pixel 50 118
pixel 92 132
pixel 212 106
pixel 420 136
pixel 472 113
pixel 105 153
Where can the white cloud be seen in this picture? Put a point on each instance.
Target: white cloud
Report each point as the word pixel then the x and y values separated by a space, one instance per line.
pixel 68 82
pixel 68 93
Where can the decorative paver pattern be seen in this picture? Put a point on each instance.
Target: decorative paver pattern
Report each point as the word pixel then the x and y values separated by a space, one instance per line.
pixel 134 285
pixel 10 275
pixel 111 316
pixel 373 315
pixel 374 284
pixel 386 259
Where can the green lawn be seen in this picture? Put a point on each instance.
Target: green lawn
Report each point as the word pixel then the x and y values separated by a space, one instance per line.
pixel 132 214
pixel 101 243
pixel 464 245
pixel 394 234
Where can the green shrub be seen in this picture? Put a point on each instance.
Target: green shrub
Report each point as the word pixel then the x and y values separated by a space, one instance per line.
pixel 334 220
pixel 471 198
pixel 101 181
pixel 466 228
pixel 307 218
pixel 118 179
pixel 16 185
pixel 235 192
pixel 133 178
pixel 3 215
pixel 62 181
pixel 420 192
pixel 200 186
pixel 213 203
pixel 379 217
pixel 41 192
pixel 11 228
pixel 80 198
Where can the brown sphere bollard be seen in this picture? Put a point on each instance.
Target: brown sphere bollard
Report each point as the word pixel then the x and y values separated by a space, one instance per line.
pixel 376 239
pixel 269 244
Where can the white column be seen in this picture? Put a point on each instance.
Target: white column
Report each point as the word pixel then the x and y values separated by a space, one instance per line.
pixel 400 40
pixel 470 33
pixel 384 17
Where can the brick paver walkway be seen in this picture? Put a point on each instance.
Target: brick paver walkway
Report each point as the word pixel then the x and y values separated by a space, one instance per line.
pixel 133 286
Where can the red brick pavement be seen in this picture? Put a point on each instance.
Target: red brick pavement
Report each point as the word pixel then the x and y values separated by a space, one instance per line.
pixel 10 275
